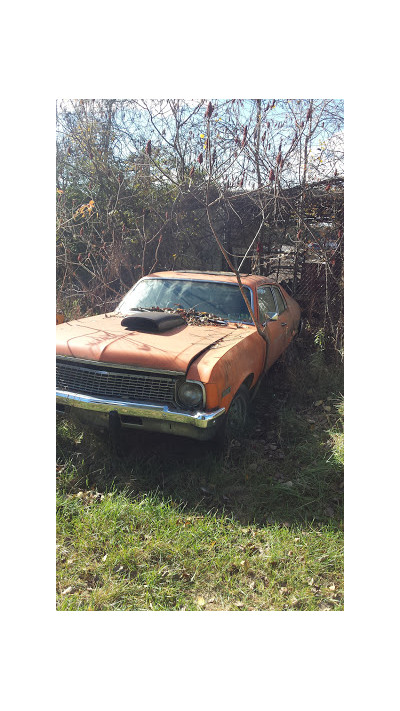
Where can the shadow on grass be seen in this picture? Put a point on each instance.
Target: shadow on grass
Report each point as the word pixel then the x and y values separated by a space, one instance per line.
pixel 283 471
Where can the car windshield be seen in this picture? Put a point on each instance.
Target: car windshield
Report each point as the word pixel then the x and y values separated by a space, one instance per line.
pixel 222 300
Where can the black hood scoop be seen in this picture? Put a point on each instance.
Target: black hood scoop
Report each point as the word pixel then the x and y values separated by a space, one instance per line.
pixel 152 321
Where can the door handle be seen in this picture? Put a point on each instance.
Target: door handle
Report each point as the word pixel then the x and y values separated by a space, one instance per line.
pixel 284 324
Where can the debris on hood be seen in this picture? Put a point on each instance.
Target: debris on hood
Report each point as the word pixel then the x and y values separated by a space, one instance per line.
pixel 190 316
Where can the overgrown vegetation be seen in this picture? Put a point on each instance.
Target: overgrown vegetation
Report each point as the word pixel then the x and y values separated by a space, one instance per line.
pixel 179 525
pixel 254 185
pixel 251 185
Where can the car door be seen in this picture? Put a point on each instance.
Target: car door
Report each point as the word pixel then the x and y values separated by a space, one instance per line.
pixel 273 321
pixel 284 318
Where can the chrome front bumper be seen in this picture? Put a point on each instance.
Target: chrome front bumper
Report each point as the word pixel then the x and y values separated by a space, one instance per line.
pixel 139 415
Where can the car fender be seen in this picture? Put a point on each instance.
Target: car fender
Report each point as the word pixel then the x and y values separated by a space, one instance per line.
pixel 226 365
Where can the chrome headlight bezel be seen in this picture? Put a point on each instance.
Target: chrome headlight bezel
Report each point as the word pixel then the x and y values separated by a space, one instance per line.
pixel 190 386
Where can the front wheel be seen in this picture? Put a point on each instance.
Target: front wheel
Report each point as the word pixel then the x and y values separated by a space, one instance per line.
pixel 236 418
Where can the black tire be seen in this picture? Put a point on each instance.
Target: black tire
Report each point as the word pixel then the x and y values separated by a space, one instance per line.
pixel 236 419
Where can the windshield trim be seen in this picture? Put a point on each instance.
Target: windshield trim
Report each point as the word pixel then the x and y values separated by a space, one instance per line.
pixel 207 281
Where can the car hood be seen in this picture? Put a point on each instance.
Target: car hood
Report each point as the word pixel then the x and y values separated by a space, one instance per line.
pixel 103 339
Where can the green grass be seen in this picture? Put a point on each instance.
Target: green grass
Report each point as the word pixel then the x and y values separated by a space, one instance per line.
pixel 178 525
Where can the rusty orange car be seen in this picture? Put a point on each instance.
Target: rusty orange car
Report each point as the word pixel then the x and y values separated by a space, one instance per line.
pixel 179 355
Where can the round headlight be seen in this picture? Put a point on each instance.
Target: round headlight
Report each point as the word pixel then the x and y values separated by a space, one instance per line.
pixel 190 394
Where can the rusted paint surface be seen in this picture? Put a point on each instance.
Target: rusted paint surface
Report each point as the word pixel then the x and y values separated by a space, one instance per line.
pixel 242 353
pixel 103 339
pixel 221 357
pixel 229 363
pixel 252 280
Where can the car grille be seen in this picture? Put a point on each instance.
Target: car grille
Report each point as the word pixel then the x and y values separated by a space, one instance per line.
pixel 116 383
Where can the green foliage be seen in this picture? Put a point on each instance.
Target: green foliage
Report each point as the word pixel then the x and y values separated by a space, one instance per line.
pixel 177 524
pixel 319 339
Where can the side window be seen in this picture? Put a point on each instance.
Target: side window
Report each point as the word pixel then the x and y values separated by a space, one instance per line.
pixel 266 302
pixel 279 300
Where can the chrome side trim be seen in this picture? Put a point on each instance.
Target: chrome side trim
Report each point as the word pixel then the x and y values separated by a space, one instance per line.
pixel 139 409
pixel 105 364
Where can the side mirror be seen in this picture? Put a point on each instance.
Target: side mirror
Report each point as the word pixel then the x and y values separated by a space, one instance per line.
pixel 272 316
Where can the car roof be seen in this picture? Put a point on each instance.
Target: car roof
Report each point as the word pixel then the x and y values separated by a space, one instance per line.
pixel 251 280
